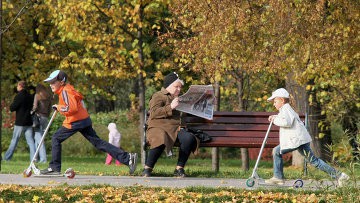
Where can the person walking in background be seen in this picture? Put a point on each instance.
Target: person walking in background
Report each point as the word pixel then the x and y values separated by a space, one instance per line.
pixel 41 107
pixel 294 136
pixel 77 119
pixel 114 139
pixel 164 127
pixel 22 104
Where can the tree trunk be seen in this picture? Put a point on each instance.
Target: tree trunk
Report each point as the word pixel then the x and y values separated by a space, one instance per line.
pixel 215 150
pixel 0 81
pixel 315 117
pixel 299 95
pixel 244 151
pixel 142 116
pixel 141 85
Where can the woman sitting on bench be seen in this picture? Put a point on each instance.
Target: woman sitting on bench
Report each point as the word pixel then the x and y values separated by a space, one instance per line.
pixel 164 127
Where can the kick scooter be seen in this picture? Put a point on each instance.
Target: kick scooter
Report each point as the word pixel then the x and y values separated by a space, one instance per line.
pixel 250 182
pixel 69 173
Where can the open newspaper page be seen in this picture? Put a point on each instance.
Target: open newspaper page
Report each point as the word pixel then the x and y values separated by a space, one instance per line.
pixel 199 100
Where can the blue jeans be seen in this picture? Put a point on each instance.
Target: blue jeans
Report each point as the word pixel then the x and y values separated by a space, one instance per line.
pixel 18 130
pixel 38 135
pixel 305 151
pixel 85 128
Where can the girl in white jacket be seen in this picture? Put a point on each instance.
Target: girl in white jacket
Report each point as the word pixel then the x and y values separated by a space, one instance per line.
pixel 294 136
pixel 114 139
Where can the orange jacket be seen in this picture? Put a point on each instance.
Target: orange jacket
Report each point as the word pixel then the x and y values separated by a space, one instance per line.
pixel 71 105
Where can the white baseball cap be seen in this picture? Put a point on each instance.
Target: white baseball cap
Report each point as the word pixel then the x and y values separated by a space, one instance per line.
pixel 56 75
pixel 281 92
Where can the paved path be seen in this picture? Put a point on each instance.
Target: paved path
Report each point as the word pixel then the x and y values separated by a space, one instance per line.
pixel 18 179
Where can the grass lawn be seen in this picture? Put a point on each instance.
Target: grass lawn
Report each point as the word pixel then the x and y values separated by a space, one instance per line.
pixel 229 168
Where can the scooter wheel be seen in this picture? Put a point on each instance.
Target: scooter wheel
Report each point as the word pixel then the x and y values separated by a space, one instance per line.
pixel 250 182
pixel 298 183
pixel 70 173
pixel 27 173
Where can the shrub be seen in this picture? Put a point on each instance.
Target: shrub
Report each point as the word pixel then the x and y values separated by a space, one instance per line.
pixel 130 135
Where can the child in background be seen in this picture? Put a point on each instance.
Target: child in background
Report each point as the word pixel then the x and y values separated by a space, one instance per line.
pixel 114 139
pixel 294 136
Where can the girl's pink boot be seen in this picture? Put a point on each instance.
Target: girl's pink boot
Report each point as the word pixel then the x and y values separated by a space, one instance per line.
pixel 108 159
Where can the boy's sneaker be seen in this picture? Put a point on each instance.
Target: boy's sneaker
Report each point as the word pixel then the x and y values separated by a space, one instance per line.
pixel 146 172
pixel 275 181
pixel 180 173
pixel 343 178
pixel 49 171
pixel 132 162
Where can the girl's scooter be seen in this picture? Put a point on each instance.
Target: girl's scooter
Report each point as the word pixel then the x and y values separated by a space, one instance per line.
pixel 250 182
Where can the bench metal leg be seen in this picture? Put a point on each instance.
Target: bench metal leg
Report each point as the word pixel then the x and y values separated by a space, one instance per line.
pixel 215 159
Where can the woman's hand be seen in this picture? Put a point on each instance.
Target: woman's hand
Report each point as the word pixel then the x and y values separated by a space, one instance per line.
pixel 174 103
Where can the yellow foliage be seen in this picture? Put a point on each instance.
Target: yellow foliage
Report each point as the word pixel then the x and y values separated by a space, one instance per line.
pixel 35 198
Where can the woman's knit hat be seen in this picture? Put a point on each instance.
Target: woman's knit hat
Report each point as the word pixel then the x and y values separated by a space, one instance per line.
pixel 170 78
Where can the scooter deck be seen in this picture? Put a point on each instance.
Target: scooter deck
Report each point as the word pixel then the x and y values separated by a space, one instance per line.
pixel 49 176
pixel 286 185
pixel 69 173
pixel 298 183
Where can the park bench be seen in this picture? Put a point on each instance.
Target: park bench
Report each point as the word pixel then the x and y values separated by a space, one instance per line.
pixel 236 129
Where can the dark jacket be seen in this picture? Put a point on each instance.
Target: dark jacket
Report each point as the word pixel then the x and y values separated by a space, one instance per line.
pixel 22 104
pixel 42 106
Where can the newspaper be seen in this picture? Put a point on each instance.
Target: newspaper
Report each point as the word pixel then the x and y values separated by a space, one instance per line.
pixel 199 100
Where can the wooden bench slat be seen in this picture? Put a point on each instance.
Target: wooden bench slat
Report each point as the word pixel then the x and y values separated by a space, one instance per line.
pixel 237 142
pixel 225 120
pixel 243 113
pixel 232 127
pixel 237 145
pixel 241 135
pixel 231 119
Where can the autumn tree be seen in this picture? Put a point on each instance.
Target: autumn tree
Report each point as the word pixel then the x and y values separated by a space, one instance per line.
pixel 307 44
pixel 110 40
pixel 322 47
pixel 223 39
pixel 97 43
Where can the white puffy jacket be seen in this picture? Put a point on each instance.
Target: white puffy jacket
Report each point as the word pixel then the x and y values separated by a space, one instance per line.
pixel 114 135
pixel 292 130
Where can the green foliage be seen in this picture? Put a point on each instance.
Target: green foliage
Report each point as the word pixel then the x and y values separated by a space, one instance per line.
pixel 130 140
pixel 98 43
pixel 342 151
